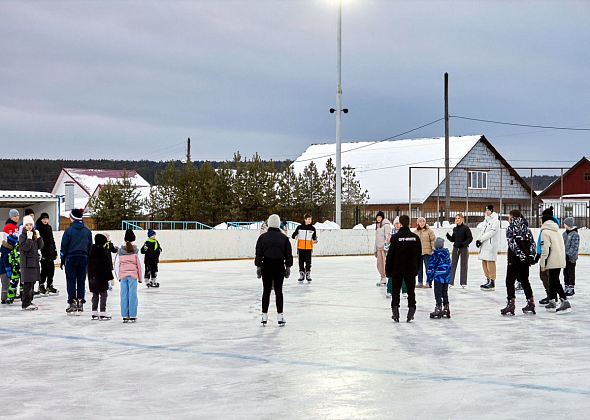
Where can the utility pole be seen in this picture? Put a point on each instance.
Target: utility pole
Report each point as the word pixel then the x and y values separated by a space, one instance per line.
pixel 188 150
pixel 447 180
pixel 338 117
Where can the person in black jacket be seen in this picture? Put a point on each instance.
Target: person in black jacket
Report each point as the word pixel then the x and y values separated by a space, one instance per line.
pixel 99 275
pixel 151 249
pixel 274 259
pixel 402 263
pixel 461 239
pixel 48 255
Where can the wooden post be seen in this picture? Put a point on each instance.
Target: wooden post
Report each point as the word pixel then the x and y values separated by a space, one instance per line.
pixel 188 150
pixel 447 180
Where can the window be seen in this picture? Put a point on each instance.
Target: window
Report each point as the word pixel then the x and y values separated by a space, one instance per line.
pixel 478 180
pixel 587 176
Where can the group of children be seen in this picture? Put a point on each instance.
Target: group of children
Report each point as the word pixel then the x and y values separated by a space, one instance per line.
pixel 28 255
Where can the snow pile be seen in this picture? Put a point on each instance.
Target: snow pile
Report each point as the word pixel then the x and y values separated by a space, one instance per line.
pixel 371 227
pixel 221 226
pixel 326 225
pixel 359 226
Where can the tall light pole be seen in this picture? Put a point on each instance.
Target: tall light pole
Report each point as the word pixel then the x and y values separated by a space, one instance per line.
pixel 338 121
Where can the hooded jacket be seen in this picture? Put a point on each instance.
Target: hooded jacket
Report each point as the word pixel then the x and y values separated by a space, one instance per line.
pixel 490 238
pixel 552 246
pixel 521 243
pixel 382 231
pixel 152 249
pixel 10 227
pixel 76 241
pixel 571 240
pixel 273 247
pixel 128 264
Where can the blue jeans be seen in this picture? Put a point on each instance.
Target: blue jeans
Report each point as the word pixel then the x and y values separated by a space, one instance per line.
pixel 129 297
pixel 76 277
pixel 423 266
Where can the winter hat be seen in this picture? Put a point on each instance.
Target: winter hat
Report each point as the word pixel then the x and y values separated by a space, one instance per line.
pixel 151 233
pixel 439 243
pixel 380 213
pixel 129 236
pixel 569 222
pixel 100 239
pixel 396 220
pixel 44 216
pixel 76 215
pixel 421 219
pixel 274 221
pixel 28 220
pixel 490 207
pixel 29 211
pixel 11 240
pixel 12 213
pixel 547 214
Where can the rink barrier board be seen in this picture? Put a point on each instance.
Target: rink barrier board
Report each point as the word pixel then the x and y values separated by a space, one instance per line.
pixel 238 244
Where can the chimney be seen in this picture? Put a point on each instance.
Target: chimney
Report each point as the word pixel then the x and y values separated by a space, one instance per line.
pixel 69 195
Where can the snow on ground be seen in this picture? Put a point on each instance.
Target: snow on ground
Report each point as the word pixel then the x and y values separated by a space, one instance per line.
pixel 199 352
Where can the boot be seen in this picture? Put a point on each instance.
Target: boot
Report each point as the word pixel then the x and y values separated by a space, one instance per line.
pixel 94 314
pixel 395 315
pixel 446 312
pixel 530 307
pixel 73 308
pixel 551 306
pixel 308 275
pixel 490 286
pixel 104 316
pixel 80 306
pixel 509 309
pixel 264 319
pixel 43 290
pixel 437 314
pixel 382 281
pixel 301 276
pixel 281 320
pixel 564 307
pixel 411 312
pixel 483 286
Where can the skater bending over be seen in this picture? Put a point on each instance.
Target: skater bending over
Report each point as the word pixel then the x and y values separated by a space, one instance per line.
pixel 306 237
pixel 403 261
pixel 274 259
pixel 30 243
pixel 129 271
pixel 521 254
pixel 152 250
pixel 100 274
pixel 439 272
pixel 461 239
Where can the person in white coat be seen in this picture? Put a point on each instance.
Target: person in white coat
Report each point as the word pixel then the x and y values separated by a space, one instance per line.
pixel 488 243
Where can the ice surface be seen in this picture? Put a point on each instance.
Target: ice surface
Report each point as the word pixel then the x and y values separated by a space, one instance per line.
pixel 199 352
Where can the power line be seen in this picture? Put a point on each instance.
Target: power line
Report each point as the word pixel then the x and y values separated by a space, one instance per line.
pixel 399 166
pixel 157 150
pixel 520 125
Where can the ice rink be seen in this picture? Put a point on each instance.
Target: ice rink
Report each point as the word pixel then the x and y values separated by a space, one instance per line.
pixel 198 351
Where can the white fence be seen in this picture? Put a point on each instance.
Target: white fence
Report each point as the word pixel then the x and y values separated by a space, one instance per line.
pixel 194 245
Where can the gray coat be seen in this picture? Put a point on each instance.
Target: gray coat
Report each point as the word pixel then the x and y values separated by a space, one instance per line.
pixel 571 240
pixel 29 258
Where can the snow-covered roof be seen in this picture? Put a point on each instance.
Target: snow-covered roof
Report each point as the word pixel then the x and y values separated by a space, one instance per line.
pixel 5 194
pixel 91 179
pixel 382 168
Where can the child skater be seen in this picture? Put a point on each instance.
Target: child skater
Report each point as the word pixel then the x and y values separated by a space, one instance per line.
pixel 439 271
pixel 100 274
pixel 129 271
pixel 306 236
pixel 30 242
pixel 571 239
pixel 152 250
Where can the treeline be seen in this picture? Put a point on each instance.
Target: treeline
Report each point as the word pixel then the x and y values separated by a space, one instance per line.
pixel 540 182
pixel 240 190
pixel 41 174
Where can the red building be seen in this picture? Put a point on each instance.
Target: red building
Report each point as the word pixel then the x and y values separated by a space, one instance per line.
pixel 576 181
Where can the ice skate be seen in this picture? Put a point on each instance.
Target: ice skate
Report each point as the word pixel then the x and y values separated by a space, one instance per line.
pixel 564 307
pixel 9 301
pixel 94 315
pixel 569 291
pixel 382 282
pixel 301 276
pixel 104 316
pixel 489 286
pixel 308 276
pixel 33 307
pixel 281 320
pixel 52 291
pixel 411 312
pixel 485 284
pixel 395 315
pixel 73 308
pixel 80 307
pixel 148 283
pixel 437 314
pixel 551 306
pixel 125 320
pixel 509 309
pixel 264 319
pixel 132 319
pixel 446 312
pixel 42 290
pixel 388 295
pixel 405 295
pixel 530 307
pixel 544 301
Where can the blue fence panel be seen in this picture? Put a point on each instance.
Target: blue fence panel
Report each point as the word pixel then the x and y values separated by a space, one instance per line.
pixel 162 225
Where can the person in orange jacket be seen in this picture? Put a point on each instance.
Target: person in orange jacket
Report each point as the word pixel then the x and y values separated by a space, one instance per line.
pixel 305 235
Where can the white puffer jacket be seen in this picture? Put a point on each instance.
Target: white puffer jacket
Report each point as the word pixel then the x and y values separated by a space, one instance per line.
pixel 552 246
pixel 490 238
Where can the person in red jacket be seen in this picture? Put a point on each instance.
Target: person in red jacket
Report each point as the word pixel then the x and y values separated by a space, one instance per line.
pixel 11 226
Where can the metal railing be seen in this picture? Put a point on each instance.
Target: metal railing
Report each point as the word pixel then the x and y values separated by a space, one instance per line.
pixel 247 225
pixel 162 225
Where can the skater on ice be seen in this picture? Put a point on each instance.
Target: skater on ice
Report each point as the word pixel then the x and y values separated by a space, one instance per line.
pixel 306 237
pixel 100 275
pixel 76 244
pixel 488 243
pixel 48 256
pixel 382 231
pixel 439 272
pixel 6 268
pixel 571 239
pixel 152 250
pixel 129 270
pixel 11 225
pixel 274 259
pixel 403 261
pixel 427 238
pixel 461 239
pixel 13 270
pixel 521 254
pixel 30 242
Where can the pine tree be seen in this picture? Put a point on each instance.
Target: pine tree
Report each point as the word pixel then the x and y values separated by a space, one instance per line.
pixel 115 202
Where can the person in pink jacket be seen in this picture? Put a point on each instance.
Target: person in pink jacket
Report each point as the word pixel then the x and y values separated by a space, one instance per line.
pixel 129 271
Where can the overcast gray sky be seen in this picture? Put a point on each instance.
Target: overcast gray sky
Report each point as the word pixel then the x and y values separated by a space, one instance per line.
pixel 126 79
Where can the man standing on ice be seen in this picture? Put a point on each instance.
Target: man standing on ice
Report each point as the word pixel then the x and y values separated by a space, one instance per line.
pixel 403 262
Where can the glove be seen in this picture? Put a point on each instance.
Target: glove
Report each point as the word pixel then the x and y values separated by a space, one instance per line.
pixel 478 243
pixel 258 272
pixel 37 234
pixel 61 265
pixel 448 236
pixel 30 234
pixel 112 282
pixel 287 272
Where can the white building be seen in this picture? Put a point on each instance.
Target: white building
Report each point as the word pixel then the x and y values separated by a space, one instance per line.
pixel 39 202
